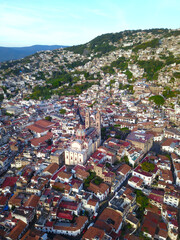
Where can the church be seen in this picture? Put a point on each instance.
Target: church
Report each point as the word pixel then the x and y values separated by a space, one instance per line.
pixel 87 140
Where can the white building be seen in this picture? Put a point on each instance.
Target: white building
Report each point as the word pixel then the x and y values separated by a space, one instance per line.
pixel 86 142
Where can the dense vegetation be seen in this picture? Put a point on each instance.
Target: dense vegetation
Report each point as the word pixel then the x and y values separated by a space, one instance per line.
pixel 157 99
pixel 60 80
pixel 151 67
pixel 176 74
pixel 143 202
pixel 89 179
pixel 152 44
pixel 120 63
pixel 170 59
pixel 48 118
pixel 62 111
pixel 104 40
pixel 141 199
pixel 62 84
pixel 97 180
pixel 41 92
pixel 74 90
pixel 1 97
pixel 76 64
pixel 168 93
pixel 147 166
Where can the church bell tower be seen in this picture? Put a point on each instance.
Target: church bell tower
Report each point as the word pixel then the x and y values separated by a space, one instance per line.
pixel 98 122
pixel 87 120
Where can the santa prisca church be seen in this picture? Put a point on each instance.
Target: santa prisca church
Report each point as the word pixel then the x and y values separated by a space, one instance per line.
pixel 88 139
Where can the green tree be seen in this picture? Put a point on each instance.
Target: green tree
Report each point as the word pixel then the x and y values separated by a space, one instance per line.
pixel 98 180
pixel 176 74
pixel 48 118
pixel 120 63
pixel 62 111
pixel 147 166
pixel 168 93
pixel 125 159
pixel 151 67
pixel 141 199
pixel 157 99
pixel 153 44
pixel 1 97
pixel 129 74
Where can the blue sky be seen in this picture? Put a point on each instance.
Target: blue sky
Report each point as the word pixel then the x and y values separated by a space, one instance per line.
pixel 72 22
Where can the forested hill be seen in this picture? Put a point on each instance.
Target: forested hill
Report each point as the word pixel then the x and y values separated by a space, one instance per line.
pixel 109 42
pixel 113 61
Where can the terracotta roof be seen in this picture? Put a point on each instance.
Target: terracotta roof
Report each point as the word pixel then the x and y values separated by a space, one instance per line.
pixel 102 188
pixel 51 168
pixel 124 169
pixel 59 185
pixel 44 123
pixel 82 173
pixel 17 230
pixel 168 142
pixel 92 202
pixel 37 141
pixel 94 233
pixel 9 182
pixel 177 166
pixel 80 221
pixel 136 180
pixel 3 200
pixel 163 233
pixel 131 237
pixel 32 201
pixel 59 237
pixel 112 217
pixel 153 208
pixel 69 205
pixel 14 200
pixel 65 215
pixel 32 235
pixel 63 168
pixel 149 227
pixel 36 129
pixel 65 175
pixel 132 219
pixel 174 156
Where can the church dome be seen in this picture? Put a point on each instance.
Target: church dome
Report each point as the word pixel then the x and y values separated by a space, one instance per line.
pixel 80 132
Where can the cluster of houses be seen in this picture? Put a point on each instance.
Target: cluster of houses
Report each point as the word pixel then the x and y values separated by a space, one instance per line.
pixel 75 166
pixel 60 175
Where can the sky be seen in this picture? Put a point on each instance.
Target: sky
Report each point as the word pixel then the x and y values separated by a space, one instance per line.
pixel 73 22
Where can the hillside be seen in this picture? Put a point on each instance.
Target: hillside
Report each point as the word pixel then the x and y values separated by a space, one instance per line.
pixel 14 53
pixel 116 60
pixel 111 41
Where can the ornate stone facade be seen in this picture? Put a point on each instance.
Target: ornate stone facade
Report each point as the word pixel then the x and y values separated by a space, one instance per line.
pixel 86 142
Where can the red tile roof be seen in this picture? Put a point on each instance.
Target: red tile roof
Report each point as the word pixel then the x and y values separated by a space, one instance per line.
pixel 37 141
pixel 9 182
pixel 69 205
pixel 65 215
pixel 156 198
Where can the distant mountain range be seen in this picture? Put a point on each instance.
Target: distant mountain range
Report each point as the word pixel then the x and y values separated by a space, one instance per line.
pixel 14 53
